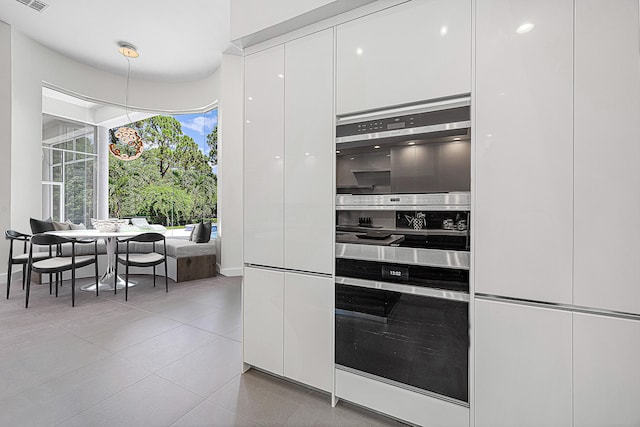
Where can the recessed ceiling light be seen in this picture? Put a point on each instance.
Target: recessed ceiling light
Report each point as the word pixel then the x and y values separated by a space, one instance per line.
pixel 128 50
pixel 359 51
pixel 281 76
pixel 444 30
pixel 337 151
pixel 412 143
pixel 457 139
pixel 351 158
pixel 376 146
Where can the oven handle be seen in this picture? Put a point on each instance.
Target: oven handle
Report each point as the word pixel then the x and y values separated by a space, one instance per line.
pixel 405 289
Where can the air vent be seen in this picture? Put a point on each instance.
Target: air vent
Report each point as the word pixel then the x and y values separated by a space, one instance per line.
pixel 38 5
pixel 34 4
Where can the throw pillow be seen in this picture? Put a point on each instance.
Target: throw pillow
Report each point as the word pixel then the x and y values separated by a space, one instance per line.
pixel 39 226
pixel 201 232
pixel 73 226
pixel 194 232
pixel 60 226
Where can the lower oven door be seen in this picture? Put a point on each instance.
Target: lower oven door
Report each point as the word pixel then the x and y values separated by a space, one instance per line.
pixel 415 338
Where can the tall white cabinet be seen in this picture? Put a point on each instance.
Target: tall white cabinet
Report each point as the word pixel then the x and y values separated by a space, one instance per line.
pixel 524 149
pixel 557 147
pixel 309 153
pixel 288 289
pixel 607 155
pixel 413 52
pixel 605 371
pixel 264 158
pixel 523 366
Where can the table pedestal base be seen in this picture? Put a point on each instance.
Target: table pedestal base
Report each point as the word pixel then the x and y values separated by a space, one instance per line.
pixel 106 283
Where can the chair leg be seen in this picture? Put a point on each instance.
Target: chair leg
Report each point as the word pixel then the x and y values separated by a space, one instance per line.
pixel 73 286
pixel 154 276
pixel 56 284
pixel 115 278
pixel 24 276
pixel 51 284
pixel 166 275
pixel 126 283
pixel 9 279
pixel 26 302
pixel 97 283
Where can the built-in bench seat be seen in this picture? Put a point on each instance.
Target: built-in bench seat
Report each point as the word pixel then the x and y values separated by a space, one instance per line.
pixel 186 260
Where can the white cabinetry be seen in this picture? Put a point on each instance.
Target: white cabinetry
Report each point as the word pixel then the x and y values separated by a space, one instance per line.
pixel 524 149
pixel 607 155
pixel 522 366
pixel 605 371
pixel 264 158
pixel 412 52
pixel 289 150
pixel 288 320
pixel 309 152
pixel 308 338
pixel 263 308
pixel 288 163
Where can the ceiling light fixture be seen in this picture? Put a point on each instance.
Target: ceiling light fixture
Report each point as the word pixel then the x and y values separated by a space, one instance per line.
pixel 131 145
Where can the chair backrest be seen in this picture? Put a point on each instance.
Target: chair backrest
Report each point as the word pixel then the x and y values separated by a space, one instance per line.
pixel 12 234
pixel 145 237
pixel 49 239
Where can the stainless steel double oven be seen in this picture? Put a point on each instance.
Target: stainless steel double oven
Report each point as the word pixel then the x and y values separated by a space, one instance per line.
pixel 402 248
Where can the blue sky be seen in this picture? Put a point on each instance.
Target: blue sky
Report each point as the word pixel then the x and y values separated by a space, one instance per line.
pixel 198 126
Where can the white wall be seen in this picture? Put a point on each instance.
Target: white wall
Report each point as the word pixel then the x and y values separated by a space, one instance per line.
pixel 5 137
pixel 230 154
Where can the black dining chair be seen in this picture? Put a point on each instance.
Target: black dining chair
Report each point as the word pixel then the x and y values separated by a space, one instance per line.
pixel 20 258
pixel 58 264
pixel 132 257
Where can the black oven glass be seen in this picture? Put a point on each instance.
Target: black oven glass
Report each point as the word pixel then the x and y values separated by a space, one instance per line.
pixel 415 340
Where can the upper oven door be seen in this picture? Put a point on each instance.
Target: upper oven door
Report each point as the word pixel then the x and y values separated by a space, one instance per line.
pixel 418 149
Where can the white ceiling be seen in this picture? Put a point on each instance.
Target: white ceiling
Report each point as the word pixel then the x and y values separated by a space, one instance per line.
pixel 178 40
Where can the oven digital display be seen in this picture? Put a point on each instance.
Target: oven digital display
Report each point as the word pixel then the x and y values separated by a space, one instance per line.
pixel 395 273
pixel 392 126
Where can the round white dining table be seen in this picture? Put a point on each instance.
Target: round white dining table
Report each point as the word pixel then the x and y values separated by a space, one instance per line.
pixel 109 278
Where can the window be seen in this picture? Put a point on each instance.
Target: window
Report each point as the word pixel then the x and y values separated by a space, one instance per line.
pixel 174 181
pixel 69 164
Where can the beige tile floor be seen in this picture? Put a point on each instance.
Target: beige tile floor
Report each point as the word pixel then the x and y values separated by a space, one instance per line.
pixel 157 360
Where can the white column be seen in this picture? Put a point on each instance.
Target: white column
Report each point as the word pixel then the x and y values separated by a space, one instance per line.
pixel 102 208
pixel 230 170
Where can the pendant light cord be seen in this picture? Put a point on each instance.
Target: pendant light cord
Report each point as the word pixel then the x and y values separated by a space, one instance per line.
pixel 126 91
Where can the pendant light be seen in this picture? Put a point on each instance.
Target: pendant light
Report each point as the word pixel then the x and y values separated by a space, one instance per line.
pixel 127 135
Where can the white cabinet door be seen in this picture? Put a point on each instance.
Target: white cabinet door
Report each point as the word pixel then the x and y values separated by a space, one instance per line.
pixel 308 326
pixel 309 152
pixel 263 314
pixel 264 158
pixel 524 149
pixel 605 370
pixel 607 155
pixel 522 366
pixel 411 52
